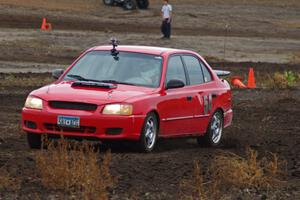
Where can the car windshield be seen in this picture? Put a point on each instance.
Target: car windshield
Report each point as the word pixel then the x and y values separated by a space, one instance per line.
pixel 127 68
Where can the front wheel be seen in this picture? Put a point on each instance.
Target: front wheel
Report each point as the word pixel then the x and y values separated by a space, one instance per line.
pixel 129 5
pixel 214 131
pixel 149 133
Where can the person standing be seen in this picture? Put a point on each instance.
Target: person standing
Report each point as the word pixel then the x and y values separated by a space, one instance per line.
pixel 166 12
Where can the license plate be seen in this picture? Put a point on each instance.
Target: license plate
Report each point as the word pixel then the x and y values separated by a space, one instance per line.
pixel 66 121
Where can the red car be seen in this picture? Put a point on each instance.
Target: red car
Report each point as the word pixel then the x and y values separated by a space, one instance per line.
pixel 134 93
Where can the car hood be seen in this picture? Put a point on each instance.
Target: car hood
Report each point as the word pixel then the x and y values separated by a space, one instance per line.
pixel 64 91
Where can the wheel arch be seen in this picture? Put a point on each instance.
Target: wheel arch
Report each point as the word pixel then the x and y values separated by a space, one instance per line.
pixel 157 116
pixel 221 110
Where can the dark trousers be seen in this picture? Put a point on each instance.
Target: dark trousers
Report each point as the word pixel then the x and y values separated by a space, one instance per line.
pixel 166 28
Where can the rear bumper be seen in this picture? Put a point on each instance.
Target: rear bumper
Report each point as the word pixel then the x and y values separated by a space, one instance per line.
pixel 92 124
pixel 228 115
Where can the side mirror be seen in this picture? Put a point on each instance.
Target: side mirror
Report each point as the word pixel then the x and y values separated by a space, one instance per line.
pixel 174 83
pixel 57 73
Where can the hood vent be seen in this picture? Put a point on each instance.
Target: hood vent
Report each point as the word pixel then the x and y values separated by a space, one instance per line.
pixel 93 84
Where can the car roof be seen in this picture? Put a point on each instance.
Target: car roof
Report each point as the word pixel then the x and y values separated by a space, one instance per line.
pixel 141 49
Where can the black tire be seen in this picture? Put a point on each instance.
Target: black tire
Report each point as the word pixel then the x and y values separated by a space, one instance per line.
pixel 34 140
pixel 129 5
pixel 108 2
pixel 142 4
pixel 213 135
pixel 148 140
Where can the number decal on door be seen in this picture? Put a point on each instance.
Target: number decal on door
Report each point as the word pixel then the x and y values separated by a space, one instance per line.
pixel 207 99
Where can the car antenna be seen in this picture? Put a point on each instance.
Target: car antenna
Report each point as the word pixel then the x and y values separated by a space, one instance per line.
pixel 114 51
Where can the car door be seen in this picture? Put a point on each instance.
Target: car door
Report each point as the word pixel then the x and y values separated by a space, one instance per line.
pixel 200 82
pixel 177 105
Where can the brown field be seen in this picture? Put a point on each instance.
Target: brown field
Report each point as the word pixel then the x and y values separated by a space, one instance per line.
pixel 232 35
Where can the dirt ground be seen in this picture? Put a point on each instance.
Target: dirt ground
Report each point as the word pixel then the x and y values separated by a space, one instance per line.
pixel 232 35
pixel 265 120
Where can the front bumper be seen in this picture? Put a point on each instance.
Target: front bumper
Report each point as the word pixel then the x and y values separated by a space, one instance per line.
pixel 92 124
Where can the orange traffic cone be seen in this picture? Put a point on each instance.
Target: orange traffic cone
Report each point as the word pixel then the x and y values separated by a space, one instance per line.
pixel 237 81
pixel 251 79
pixel 46 26
pixel 43 27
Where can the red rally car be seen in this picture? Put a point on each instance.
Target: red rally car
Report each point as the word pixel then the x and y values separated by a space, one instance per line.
pixel 134 93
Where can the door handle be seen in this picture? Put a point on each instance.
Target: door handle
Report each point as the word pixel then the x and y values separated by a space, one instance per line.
pixel 189 98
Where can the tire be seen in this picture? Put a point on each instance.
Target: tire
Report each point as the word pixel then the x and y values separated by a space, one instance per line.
pixel 129 5
pixel 213 135
pixel 34 140
pixel 142 4
pixel 108 2
pixel 149 133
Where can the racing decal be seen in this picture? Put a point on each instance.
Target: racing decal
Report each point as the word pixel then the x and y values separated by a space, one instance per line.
pixel 207 99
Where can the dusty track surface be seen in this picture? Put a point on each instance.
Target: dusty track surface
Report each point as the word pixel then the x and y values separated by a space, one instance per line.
pixel 231 35
pixel 260 31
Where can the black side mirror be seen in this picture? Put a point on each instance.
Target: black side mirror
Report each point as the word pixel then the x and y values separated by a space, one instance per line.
pixel 57 73
pixel 174 83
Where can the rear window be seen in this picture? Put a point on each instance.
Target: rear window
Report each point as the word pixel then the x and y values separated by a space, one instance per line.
pixel 194 70
pixel 206 73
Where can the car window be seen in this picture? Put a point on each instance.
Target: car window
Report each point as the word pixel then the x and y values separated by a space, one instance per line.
pixel 132 68
pixel 175 70
pixel 206 73
pixel 194 69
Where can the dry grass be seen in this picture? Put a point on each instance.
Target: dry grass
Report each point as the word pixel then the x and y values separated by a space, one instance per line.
pixel 8 182
pixel 197 189
pixel 231 170
pixel 282 80
pixel 75 169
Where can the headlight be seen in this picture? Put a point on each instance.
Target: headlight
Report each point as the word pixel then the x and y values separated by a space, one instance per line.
pixel 34 103
pixel 117 109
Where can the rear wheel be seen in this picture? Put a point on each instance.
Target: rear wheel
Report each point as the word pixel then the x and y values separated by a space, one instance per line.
pixel 34 140
pixel 214 131
pixel 143 4
pixel 149 133
pixel 129 5
pixel 108 2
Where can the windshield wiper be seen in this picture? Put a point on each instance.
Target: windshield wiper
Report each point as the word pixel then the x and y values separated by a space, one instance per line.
pixel 80 78
pixel 116 82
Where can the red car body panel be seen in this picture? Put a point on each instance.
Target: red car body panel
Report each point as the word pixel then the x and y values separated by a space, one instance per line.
pixel 177 116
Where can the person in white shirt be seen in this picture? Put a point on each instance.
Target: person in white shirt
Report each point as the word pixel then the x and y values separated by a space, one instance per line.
pixel 166 12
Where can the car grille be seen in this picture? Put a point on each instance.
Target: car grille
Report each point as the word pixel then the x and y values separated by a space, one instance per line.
pixel 81 129
pixel 72 105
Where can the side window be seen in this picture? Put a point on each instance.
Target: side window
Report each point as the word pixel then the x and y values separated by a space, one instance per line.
pixel 206 73
pixel 175 69
pixel 194 70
